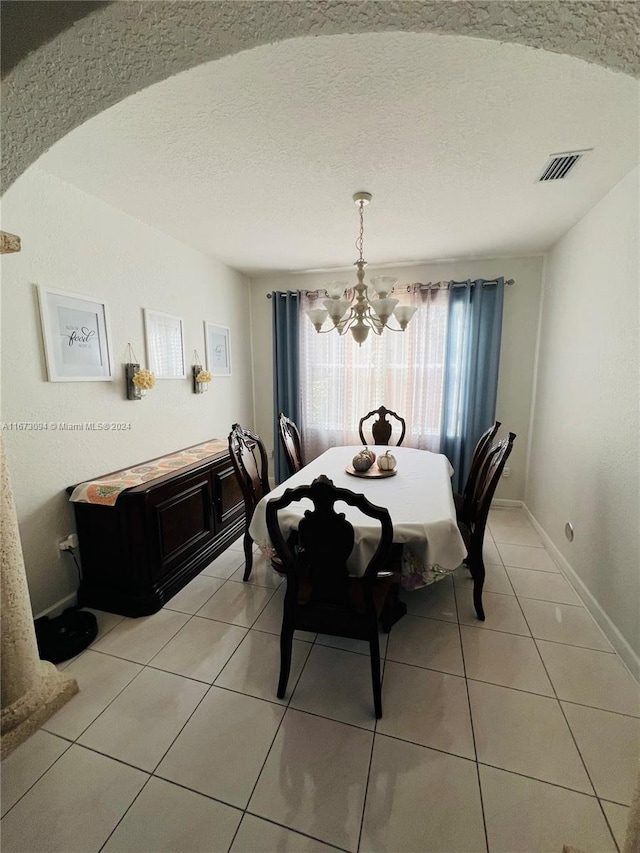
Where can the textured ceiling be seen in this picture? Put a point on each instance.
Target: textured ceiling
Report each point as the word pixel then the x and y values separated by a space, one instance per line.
pixel 122 47
pixel 254 158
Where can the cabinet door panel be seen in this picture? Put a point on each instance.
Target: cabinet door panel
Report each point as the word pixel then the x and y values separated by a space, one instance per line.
pixel 184 522
pixel 229 503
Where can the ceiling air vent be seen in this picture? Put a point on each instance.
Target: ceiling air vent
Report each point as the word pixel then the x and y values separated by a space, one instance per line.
pixel 559 166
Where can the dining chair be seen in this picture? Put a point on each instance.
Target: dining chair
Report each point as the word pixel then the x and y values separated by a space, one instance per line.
pixel 250 462
pixel 291 444
pixel 381 429
pixel 472 528
pixel 464 501
pixel 321 595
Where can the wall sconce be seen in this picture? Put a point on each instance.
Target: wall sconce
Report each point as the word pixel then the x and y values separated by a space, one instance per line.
pixel 130 371
pixel 139 380
pixel 200 377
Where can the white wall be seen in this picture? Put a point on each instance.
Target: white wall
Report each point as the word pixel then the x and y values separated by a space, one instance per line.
pixel 519 328
pixel 585 446
pixel 74 242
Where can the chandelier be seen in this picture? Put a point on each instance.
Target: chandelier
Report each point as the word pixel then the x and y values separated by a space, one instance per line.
pixel 360 313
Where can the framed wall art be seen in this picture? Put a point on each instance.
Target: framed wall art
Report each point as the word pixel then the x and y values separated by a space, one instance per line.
pixel 75 330
pixel 165 344
pixel 218 349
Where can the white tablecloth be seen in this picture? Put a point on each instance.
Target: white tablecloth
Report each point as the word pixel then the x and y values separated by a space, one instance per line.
pixel 419 500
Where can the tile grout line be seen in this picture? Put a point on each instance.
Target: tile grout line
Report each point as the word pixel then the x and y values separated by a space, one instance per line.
pixel 286 707
pixel 125 813
pixel 111 701
pixel 374 731
pixel 473 732
pixel 564 716
pixel 206 693
pixel 44 772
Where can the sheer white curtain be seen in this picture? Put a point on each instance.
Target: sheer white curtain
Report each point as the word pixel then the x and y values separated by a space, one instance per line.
pixel 340 382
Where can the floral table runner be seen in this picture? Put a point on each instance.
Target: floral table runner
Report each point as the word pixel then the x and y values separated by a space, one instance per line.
pixel 106 490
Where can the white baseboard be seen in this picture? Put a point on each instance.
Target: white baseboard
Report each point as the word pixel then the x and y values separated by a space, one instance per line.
pixel 59 606
pixel 502 502
pixel 628 655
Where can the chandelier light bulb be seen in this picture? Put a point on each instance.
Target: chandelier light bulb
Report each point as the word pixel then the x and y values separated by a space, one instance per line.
pixel 336 289
pixel 317 317
pixel 337 308
pixel 403 313
pixel 383 284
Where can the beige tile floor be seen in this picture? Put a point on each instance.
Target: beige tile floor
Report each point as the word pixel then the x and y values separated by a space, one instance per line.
pixel 517 734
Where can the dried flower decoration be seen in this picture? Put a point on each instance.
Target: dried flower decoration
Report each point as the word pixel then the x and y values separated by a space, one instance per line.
pixel 144 379
pixel 204 376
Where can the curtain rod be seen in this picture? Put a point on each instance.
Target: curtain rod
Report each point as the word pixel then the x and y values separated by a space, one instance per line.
pixel 418 285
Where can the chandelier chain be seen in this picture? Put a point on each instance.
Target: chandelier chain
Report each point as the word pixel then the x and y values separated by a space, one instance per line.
pixel 360 240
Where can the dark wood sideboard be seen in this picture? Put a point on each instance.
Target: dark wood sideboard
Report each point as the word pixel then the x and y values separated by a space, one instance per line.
pixel 139 553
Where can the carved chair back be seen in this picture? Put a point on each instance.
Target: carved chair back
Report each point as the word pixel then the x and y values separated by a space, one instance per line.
pixel 480 455
pixel 472 528
pixel 291 444
pixel 487 483
pixel 250 462
pixel 381 428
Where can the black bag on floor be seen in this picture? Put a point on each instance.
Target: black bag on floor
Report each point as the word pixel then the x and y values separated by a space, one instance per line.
pixel 66 635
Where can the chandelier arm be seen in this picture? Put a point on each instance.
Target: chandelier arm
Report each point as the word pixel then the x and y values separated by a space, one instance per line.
pixel 330 329
pixel 348 322
pixel 375 324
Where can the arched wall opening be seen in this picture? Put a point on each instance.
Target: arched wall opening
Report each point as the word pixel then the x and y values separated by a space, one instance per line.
pixel 121 48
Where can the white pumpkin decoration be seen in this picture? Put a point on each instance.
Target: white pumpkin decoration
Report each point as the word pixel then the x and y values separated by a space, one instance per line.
pixel 387 462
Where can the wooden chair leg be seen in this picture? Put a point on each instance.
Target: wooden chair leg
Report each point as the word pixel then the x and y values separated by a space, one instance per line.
pixel 476 567
pixel 478 583
pixel 248 556
pixel 374 651
pixel 286 643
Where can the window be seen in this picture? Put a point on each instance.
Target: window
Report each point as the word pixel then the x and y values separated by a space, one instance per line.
pixel 404 371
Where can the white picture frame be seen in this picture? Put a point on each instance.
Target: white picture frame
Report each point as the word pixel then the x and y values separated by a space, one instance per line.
pixel 218 349
pixel 164 334
pixel 75 331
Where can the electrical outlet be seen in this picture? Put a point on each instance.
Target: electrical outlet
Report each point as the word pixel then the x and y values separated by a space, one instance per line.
pixel 67 542
pixel 506 472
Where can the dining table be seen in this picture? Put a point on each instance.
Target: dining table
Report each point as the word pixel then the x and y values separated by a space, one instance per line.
pixel 419 499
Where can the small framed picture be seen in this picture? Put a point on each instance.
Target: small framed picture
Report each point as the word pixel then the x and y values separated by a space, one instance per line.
pixel 218 349
pixel 165 344
pixel 75 330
